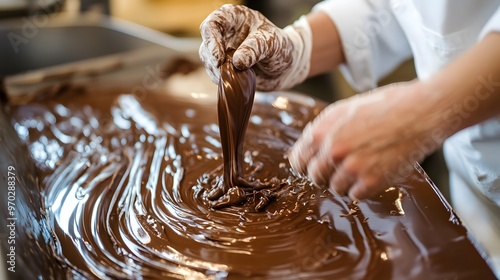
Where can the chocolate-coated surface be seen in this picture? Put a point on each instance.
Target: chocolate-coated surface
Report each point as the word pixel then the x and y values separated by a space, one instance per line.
pixel 127 182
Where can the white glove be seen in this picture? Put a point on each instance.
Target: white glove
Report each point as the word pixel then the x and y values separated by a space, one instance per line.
pixel 280 57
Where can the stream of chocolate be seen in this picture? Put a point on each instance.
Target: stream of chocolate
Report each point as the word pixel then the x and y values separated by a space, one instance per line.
pixel 236 92
pixel 128 189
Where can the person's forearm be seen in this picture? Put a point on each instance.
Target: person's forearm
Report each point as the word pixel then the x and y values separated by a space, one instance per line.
pixel 327 51
pixel 465 92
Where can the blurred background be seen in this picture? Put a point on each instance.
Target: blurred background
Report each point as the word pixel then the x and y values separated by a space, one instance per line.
pixel 182 18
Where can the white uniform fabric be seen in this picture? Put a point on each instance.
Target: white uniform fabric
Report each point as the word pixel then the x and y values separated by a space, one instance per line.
pixel 377 35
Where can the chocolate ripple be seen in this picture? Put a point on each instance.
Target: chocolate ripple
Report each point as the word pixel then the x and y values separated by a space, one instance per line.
pixel 127 183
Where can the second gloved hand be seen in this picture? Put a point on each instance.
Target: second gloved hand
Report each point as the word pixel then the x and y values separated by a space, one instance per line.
pixel 280 57
pixel 361 145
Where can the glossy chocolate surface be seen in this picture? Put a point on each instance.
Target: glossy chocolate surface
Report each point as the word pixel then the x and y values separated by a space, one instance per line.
pixel 128 185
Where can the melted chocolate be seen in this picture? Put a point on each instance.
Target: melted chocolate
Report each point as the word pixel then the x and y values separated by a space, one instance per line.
pixel 128 188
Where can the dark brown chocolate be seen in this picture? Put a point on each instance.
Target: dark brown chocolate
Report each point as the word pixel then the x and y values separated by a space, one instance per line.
pixel 236 92
pixel 128 184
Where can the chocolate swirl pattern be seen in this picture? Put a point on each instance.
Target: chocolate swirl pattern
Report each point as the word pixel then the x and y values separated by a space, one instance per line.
pixel 127 182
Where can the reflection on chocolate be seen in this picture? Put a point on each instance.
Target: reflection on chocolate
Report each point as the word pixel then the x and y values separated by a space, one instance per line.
pixel 127 186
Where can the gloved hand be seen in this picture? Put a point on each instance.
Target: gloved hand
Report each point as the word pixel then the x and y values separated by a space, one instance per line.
pixel 364 144
pixel 279 57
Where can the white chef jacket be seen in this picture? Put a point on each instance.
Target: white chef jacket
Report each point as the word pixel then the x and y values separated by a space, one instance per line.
pixel 377 35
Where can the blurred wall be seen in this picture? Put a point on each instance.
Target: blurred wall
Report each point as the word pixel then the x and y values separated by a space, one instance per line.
pixel 177 17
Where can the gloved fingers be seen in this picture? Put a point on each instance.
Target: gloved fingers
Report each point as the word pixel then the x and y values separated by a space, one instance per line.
pixel 360 176
pixel 365 187
pixel 258 42
pixel 213 47
pixel 311 139
pixel 341 180
pixel 268 44
pixel 224 28
pixel 356 186
pixel 210 65
pixel 251 51
pixel 304 149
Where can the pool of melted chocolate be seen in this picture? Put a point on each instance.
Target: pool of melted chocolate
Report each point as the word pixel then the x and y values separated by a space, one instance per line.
pixel 128 188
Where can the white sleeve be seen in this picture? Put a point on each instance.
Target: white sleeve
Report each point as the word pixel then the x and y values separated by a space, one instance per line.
pixel 493 24
pixel 374 43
